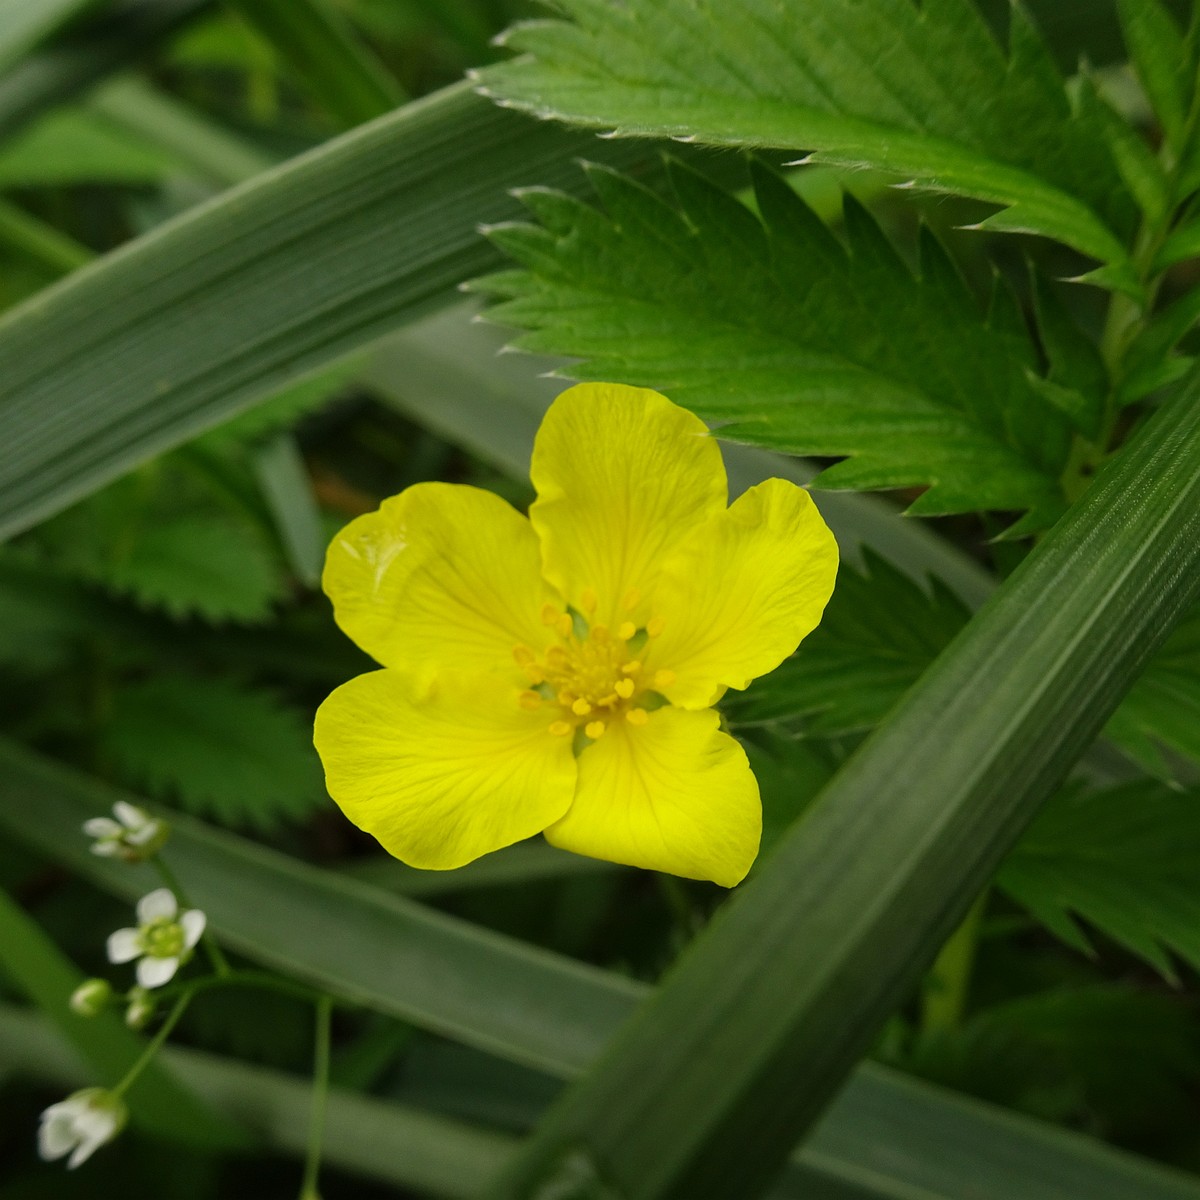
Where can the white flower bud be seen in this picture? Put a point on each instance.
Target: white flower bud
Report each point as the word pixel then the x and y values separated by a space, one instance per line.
pixel 133 836
pixel 91 997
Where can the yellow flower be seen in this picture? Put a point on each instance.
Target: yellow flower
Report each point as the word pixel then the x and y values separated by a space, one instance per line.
pixel 556 673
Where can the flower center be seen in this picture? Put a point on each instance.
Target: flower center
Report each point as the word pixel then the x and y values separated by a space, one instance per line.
pixel 592 675
pixel 162 939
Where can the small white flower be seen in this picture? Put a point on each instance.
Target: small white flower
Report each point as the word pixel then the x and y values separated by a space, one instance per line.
pixel 134 836
pixel 91 997
pixel 163 940
pixel 80 1125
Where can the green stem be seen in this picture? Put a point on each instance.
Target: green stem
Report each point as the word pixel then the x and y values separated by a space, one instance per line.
pixel 944 999
pixel 316 1128
pixel 216 956
pixel 252 979
pixel 155 1043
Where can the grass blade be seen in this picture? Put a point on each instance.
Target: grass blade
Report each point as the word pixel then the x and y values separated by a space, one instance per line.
pixel 277 278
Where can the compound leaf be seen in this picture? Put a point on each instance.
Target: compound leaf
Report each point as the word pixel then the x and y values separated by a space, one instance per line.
pixel 217 748
pixel 921 91
pixel 789 339
pixel 1126 860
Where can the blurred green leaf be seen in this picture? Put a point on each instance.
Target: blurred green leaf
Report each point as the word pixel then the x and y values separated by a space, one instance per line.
pixel 327 57
pixel 1126 860
pixel 25 23
pixel 91 51
pixel 1160 58
pixel 217 748
pixel 190 562
pixel 788 339
pixel 923 92
pixel 1162 710
pixel 288 492
pixel 74 146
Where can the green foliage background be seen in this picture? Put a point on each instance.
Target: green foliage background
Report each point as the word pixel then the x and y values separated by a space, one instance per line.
pixel 946 253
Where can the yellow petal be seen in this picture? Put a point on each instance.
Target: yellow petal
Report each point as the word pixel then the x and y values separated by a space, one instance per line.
pixel 673 794
pixel 621 475
pixel 740 597
pixel 441 576
pixel 442 775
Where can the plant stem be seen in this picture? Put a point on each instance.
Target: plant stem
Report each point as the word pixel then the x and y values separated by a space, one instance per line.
pixel 316 1129
pixel 255 979
pixel 155 1043
pixel 216 955
pixel 944 998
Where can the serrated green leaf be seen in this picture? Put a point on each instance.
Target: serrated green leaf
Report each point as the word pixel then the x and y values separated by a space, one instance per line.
pixel 1076 367
pixel 1125 860
pixel 879 633
pixel 189 563
pixel 216 748
pixel 788 339
pixel 920 91
pixel 1160 59
pixel 1162 710
pixel 1105 1047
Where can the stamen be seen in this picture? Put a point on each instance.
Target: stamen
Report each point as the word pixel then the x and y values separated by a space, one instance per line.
pixel 600 634
pixel 564 624
pixel 610 699
pixel 631 598
pixel 565 698
pixel 632 667
pixel 556 657
pixel 534 673
pixel 637 716
pixel 524 655
pixel 664 678
pixel 626 630
pixel 530 701
pixel 581 707
pixel 587 600
pixel 655 626
pixel 550 613
pixel 594 729
pixel 624 688
pixel 560 728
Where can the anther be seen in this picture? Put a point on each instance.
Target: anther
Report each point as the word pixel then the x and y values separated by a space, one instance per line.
pixel 534 673
pixel 624 688
pixel 631 598
pixel 587 600
pixel 594 729
pixel 565 698
pixel 599 633
pixel 560 728
pixel 563 624
pixel 632 667
pixel 550 613
pixel 530 700
pixel 637 716
pixel 655 626
pixel 556 656
pixel 523 655
pixel 626 630
pixel 664 678
pixel 609 700
pixel 581 707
